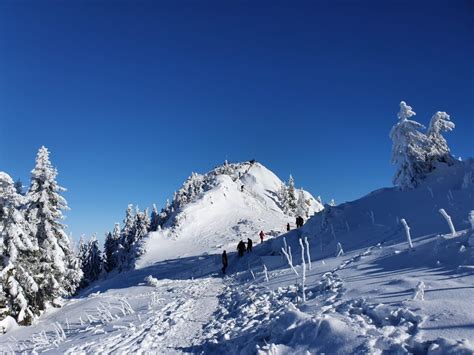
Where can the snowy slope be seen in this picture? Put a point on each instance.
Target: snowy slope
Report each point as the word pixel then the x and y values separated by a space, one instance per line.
pixel 220 217
pixel 378 297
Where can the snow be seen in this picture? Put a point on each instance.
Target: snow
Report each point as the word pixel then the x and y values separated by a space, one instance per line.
pixel 378 297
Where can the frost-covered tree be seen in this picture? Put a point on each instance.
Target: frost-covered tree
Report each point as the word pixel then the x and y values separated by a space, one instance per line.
pixel 408 150
pixel 154 219
pixel 142 226
pixel 302 207
pixel 332 203
pixel 438 150
pixel 91 262
pixel 113 248
pixel 283 197
pixel 59 271
pixel 19 255
pixel 292 199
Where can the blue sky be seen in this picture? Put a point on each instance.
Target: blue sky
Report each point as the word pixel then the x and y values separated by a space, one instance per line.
pixel 131 97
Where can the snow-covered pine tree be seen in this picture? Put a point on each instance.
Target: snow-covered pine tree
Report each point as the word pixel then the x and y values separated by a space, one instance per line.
pixel 154 219
pixel 292 199
pixel 302 207
pixel 408 150
pixel 142 225
pixel 147 219
pixel 112 248
pixel 19 255
pixel 92 262
pixel 59 272
pixel 438 150
pixel 283 197
pixel 332 203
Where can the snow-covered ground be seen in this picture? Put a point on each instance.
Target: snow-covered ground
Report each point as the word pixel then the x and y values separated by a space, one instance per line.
pixel 378 296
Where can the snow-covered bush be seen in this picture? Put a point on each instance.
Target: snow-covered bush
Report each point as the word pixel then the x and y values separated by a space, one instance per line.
pixel 151 281
pixel 471 219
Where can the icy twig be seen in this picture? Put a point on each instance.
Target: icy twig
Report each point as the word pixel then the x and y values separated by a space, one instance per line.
pixel 307 252
pixel 289 261
pixel 448 219
pixel 407 232
pixel 265 271
pixel 339 251
pixel 303 265
pixel 419 293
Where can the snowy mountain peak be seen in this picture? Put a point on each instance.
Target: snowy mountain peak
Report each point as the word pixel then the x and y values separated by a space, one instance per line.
pixel 213 211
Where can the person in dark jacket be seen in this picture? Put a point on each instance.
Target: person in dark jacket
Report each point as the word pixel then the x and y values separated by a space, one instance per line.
pixel 241 248
pixel 249 245
pixel 225 262
pixel 262 235
pixel 288 227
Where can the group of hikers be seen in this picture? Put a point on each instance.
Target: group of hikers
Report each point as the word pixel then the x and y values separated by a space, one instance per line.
pixel 299 222
pixel 242 248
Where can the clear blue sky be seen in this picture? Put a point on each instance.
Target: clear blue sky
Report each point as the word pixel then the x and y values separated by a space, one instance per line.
pixel 131 97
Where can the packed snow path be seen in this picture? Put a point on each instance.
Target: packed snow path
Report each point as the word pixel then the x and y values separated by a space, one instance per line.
pixel 126 315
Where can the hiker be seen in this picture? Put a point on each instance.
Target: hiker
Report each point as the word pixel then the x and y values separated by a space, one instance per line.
pixel 299 222
pixel 288 227
pixel 224 261
pixel 261 236
pixel 249 245
pixel 242 188
pixel 241 248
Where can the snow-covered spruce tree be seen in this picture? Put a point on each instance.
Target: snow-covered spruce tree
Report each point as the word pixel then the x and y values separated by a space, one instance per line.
pixel 91 262
pixel 19 255
pixel 283 197
pixel 408 150
pixel 302 207
pixel 112 248
pixel 154 219
pixel 292 199
pixel 438 150
pixel 142 226
pixel 58 271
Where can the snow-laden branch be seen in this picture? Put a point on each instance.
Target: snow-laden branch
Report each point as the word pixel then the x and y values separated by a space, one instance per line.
pixel 289 261
pixel 407 232
pixel 448 219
